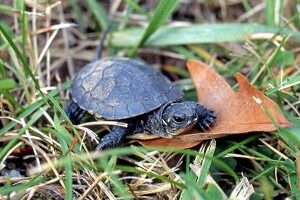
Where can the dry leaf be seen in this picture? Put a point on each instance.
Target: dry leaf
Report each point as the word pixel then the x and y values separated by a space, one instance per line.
pixel 237 112
pixel 175 143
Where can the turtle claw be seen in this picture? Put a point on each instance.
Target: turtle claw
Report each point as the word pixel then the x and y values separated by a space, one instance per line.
pixel 208 126
pixel 103 145
pixel 100 147
pixel 107 142
pixel 201 127
pixel 207 120
pixel 113 139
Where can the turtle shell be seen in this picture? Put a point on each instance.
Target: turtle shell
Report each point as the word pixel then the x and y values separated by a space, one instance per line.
pixel 120 88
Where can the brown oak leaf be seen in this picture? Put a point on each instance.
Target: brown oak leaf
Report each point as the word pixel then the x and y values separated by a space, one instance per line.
pixel 247 110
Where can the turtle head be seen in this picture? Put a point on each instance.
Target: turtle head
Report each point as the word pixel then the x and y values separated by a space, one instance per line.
pixel 179 117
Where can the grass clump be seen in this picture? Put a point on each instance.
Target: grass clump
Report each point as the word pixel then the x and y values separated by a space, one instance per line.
pixel 42 45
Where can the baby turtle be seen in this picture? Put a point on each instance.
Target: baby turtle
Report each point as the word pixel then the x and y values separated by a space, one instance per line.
pixel 133 92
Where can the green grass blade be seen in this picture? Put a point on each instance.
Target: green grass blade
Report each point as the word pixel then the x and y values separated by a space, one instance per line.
pixel 2 69
pixel 161 14
pixel 136 7
pixel 8 30
pixel 291 136
pixel 234 146
pixel 35 117
pixel 213 192
pixel 192 189
pixel 78 15
pixel 99 12
pixel 30 109
pixel 64 138
pixel 46 98
pixel 23 22
pixel 20 56
pixel 270 13
pixel 12 99
pixel 68 178
pixel 150 174
pixel 7 9
pixel 197 33
pixel 125 19
pixel 204 160
pixel 7 84
pixel 7 189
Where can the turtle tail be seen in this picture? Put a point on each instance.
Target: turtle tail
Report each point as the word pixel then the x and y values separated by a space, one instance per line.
pixel 74 112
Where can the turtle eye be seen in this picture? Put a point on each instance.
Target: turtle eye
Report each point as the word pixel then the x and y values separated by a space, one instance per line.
pixel 178 118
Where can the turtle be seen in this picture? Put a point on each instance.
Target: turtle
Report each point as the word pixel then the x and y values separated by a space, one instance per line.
pixel 132 91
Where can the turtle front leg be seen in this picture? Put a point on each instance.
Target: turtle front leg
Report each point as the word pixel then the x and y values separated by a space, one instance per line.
pixel 206 117
pixel 74 112
pixel 113 139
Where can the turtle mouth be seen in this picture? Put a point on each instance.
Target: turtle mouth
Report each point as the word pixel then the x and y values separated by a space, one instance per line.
pixel 182 130
pixel 178 132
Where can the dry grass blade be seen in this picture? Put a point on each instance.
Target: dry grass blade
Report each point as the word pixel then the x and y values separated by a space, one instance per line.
pixel 41 46
pixel 93 185
pixel 50 40
pixel 54 27
pixel 103 122
pixel 38 162
pixel 242 191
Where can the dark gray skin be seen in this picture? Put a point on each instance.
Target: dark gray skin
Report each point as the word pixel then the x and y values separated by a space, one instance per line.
pixel 170 119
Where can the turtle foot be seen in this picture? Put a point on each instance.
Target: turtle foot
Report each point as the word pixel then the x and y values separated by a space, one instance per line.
pixel 207 119
pixel 113 139
pixel 74 112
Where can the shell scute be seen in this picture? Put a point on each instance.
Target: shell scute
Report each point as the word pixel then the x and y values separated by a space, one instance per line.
pixel 119 88
pixel 135 107
pixel 103 88
pixel 120 95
